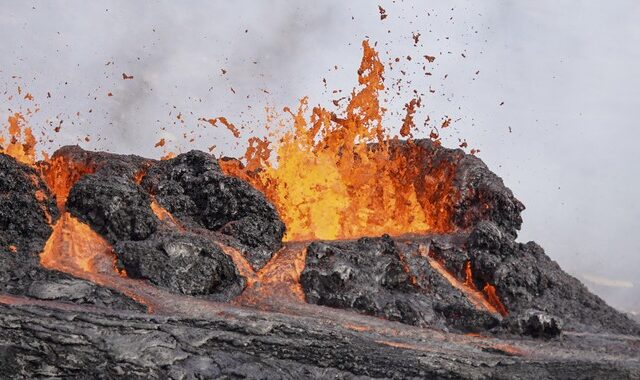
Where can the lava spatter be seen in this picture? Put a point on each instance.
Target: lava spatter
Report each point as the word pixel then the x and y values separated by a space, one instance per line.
pixel 335 176
pixel 21 141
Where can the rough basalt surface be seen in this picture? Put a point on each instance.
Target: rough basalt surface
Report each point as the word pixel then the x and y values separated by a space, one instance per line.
pixel 115 200
pixel 26 205
pixel 193 188
pixel 48 341
pixel 393 279
pixel 383 278
pixel 114 206
pixel 184 262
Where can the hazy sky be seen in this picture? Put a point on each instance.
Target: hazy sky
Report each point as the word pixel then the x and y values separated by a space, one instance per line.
pixel 565 140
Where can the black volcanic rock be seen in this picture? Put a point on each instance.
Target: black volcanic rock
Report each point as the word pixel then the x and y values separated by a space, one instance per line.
pixel 484 197
pixel 198 195
pixel 391 278
pixel 107 198
pixel 102 162
pixel 534 323
pixel 526 278
pixel 194 189
pixel 25 207
pixel 114 206
pixel 183 262
pixel 377 276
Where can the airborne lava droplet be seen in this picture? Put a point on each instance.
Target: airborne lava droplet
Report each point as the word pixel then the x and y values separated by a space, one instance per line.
pixel 383 13
pixel 416 38
pixel 125 76
pixel 223 120
pixel 160 143
pixel 407 123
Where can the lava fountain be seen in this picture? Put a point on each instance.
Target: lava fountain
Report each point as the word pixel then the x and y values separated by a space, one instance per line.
pixel 336 176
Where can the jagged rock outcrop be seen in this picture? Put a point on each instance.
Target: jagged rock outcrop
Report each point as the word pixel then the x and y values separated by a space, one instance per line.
pixel 26 206
pixel 459 186
pixel 381 277
pixel 534 323
pixel 184 262
pixel 114 206
pixel 115 198
pixel 26 210
pixel 194 189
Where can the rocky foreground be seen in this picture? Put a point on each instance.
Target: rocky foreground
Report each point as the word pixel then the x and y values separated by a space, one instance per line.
pixel 195 282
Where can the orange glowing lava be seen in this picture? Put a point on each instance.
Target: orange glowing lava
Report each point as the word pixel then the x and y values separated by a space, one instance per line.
pixel 328 180
pixel 22 143
pixel 490 292
pixel 468 276
pixel 279 279
pixel 75 248
pixel 60 174
pixel 476 297
pixel 164 215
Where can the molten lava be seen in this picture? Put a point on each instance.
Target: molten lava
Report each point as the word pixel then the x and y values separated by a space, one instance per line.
pixel 336 176
pixel 490 303
pixel 60 174
pixel 22 143
pixel 490 292
pixel 279 279
pixel 164 215
pixel 75 248
pixel 333 175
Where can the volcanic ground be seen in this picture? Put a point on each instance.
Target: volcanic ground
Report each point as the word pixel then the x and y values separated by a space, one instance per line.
pixel 117 266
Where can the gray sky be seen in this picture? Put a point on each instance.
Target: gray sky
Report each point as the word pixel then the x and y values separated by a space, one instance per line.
pixel 567 72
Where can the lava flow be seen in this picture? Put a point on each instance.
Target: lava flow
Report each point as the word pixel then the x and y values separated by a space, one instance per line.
pixel 75 248
pixel 279 279
pixel 487 301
